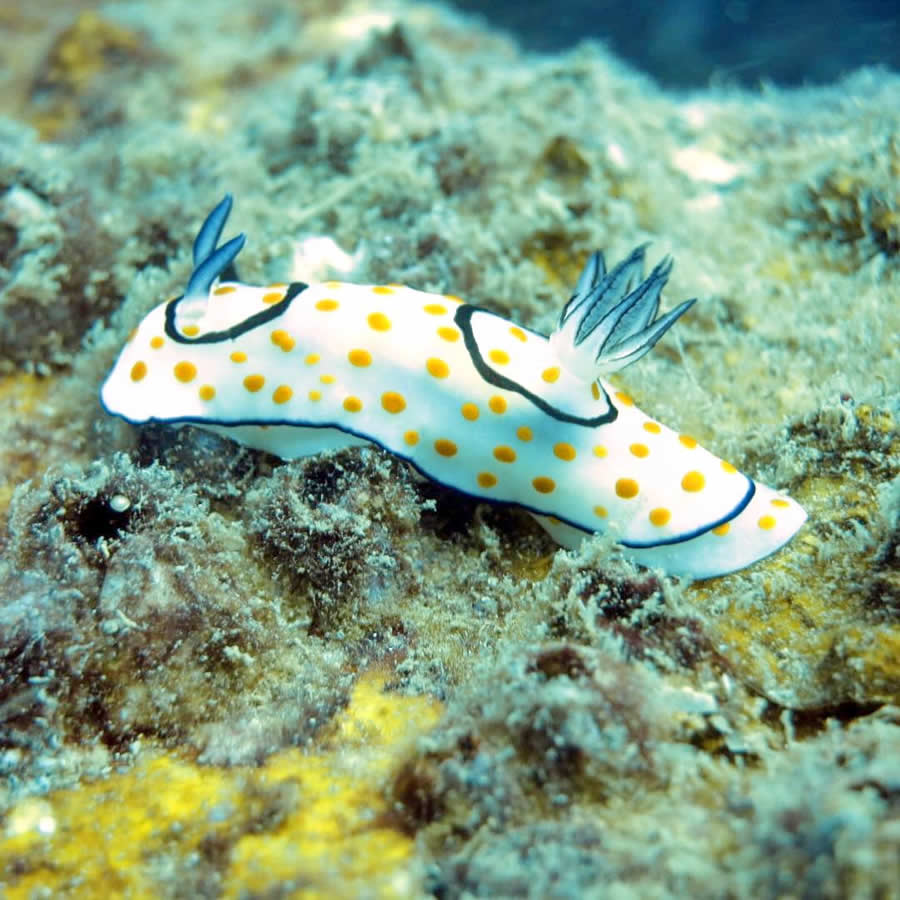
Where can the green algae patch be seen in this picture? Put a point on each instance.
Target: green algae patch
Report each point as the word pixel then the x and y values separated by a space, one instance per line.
pixel 313 824
pixel 809 649
pixel 20 397
pixel 815 626
pixel 90 50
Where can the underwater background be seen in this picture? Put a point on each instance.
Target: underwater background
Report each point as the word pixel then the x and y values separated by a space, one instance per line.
pixel 707 42
pixel 226 675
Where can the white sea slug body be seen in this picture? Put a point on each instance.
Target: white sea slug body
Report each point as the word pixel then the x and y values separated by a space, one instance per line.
pixel 469 398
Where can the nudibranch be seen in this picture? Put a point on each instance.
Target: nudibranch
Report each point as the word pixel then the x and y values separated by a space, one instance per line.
pixel 469 398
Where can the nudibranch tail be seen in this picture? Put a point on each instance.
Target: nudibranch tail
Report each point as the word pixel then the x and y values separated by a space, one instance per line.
pixel 610 320
pixel 468 398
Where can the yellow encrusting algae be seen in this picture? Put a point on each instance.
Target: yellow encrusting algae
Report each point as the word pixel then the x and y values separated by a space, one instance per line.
pixel 318 821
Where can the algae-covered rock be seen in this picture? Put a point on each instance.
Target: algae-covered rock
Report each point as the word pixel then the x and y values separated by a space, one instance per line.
pixel 218 669
pixel 148 618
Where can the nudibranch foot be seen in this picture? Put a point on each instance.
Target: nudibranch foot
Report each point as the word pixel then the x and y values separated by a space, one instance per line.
pixel 468 398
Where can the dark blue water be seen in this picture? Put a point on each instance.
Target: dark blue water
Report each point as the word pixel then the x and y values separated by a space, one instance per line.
pixel 699 42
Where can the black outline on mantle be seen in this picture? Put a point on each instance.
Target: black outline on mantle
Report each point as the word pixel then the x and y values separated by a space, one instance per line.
pixel 248 324
pixel 463 320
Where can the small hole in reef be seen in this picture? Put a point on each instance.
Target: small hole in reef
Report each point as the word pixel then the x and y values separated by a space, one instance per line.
pixel 102 517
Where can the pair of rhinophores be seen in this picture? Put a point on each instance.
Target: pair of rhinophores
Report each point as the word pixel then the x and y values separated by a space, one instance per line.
pixel 469 398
